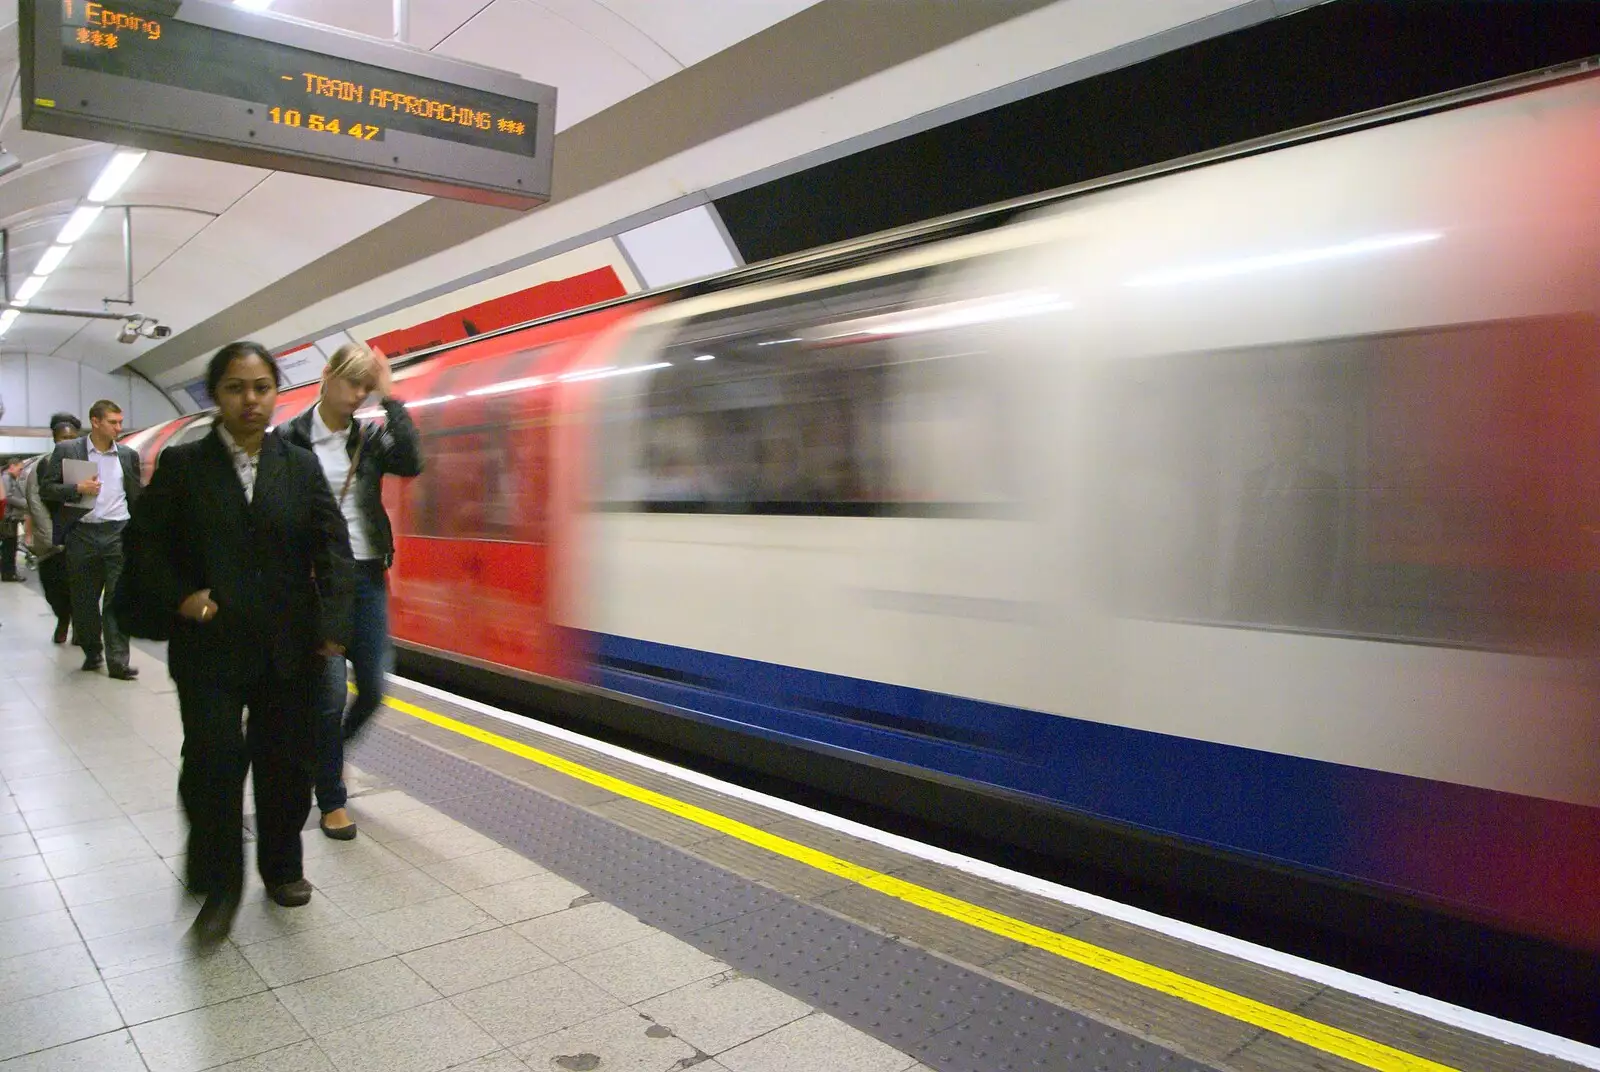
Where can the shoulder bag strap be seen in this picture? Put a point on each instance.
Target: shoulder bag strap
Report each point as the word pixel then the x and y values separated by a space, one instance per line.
pixel 355 462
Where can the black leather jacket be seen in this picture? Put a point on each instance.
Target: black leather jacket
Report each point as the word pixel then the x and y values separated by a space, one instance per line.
pixel 392 447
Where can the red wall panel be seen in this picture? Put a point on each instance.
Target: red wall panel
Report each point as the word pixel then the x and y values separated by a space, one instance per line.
pixel 544 299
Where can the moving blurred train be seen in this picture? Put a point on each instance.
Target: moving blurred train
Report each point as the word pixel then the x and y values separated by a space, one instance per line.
pixel 1244 511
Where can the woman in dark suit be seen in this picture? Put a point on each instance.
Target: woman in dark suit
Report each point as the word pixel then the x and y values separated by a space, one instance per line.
pixel 238 538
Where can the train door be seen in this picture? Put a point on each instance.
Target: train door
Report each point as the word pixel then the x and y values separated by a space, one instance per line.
pixel 151 442
pixel 472 573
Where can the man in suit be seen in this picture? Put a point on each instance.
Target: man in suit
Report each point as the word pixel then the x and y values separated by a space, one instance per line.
pixel 89 519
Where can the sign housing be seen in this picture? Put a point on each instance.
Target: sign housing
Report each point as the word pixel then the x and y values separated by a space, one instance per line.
pixel 212 81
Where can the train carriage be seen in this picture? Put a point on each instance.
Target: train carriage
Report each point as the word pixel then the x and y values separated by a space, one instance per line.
pixel 1251 507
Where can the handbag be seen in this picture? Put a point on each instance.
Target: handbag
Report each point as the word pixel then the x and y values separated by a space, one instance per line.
pixel 137 614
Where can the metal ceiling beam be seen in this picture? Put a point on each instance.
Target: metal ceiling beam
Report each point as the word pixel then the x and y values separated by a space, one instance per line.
pixel 78 314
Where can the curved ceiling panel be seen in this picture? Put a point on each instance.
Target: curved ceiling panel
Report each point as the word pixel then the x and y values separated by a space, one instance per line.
pixel 694 30
pixel 625 38
pixel 538 44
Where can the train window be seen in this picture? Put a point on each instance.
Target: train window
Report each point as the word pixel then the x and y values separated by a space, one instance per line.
pixel 1435 486
pixel 198 428
pixel 808 405
pixel 487 471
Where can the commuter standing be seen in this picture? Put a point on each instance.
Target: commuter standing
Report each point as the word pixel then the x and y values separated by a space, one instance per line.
pixel 354 458
pixel 239 547
pixel 88 521
pixel 11 524
pixel 52 560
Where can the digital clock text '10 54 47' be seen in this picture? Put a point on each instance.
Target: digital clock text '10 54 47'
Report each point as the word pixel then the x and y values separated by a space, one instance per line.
pixel 291 117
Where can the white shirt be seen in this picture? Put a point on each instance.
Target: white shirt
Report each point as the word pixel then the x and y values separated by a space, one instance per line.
pixel 112 502
pixel 244 464
pixel 331 451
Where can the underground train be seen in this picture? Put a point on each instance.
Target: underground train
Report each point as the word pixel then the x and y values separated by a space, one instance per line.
pixel 1251 506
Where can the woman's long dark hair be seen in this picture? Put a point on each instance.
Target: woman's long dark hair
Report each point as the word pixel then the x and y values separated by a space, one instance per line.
pixel 218 366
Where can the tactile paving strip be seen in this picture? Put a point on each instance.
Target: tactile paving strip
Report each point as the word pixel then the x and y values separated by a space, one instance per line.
pixel 944 1015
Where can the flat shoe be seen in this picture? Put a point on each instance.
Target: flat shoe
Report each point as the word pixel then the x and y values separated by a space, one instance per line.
pixel 338 833
pixel 291 894
pixel 215 920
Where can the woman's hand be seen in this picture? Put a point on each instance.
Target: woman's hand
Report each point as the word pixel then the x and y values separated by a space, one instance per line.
pixel 197 607
pixel 385 385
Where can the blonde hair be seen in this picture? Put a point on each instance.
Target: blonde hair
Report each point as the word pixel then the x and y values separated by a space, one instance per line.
pixel 355 363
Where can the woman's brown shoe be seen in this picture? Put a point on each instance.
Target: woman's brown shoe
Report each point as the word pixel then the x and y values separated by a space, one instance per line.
pixel 345 831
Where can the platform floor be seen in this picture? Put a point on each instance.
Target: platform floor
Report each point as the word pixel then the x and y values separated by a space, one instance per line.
pixel 427 946
pixel 519 901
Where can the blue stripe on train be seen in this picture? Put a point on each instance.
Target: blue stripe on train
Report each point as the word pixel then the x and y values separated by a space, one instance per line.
pixel 1428 837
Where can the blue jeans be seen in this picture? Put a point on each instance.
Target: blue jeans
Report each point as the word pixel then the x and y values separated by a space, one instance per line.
pixel 370 654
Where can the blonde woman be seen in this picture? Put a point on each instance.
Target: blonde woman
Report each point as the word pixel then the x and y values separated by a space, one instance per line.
pixel 355 456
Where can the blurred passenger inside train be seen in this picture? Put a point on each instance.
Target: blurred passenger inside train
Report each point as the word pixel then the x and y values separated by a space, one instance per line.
pixel 676 470
pixel 1288 535
pixel 237 550
pixel 355 456
pixel 53 577
pixel 11 524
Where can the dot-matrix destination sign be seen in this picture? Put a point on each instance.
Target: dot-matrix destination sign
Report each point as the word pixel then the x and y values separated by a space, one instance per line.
pixel 207 80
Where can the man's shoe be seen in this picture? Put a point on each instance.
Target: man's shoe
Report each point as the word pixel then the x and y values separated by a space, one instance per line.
pixel 91 662
pixel 61 632
pixel 215 920
pixel 123 673
pixel 291 894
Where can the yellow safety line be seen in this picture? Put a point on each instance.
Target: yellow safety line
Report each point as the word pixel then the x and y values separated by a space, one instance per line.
pixel 1328 1039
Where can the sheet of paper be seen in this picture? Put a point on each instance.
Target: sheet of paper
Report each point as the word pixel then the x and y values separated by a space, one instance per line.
pixel 75 472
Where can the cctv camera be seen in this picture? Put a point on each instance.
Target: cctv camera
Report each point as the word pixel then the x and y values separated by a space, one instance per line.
pixel 129 332
pixel 160 331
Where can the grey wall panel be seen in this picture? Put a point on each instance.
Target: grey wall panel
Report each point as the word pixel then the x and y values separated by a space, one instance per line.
pixel 53 385
pixel 147 405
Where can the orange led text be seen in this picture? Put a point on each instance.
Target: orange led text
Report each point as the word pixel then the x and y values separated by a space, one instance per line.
pixel 95 14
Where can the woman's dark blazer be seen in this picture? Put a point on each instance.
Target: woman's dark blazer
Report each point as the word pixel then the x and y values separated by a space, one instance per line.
pixel 278 566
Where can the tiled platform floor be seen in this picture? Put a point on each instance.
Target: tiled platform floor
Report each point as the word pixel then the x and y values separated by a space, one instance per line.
pixel 427 946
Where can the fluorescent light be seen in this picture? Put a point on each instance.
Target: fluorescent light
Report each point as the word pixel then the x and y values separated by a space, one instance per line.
pixel 587 374
pixel 713 357
pixel 952 315
pixel 51 260
pixel 8 318
pixel 80 221
pixel 1221 269
pixel 29 288
pixel 253 5
pixel 419 403
pixel 114 175
pixel 509 385
pixel 607 371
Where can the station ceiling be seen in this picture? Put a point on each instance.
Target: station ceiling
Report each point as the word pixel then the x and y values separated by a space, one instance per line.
pixel 222 251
